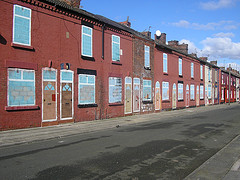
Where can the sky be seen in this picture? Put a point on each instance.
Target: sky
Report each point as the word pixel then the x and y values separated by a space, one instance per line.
pixel 209 27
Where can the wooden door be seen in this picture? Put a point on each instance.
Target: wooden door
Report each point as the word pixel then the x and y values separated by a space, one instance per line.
pixel 66 100
pixel 197 96
pixel 136 95
pixel 157 96
pixel 174 97
pixel 128 95
pixel 49 98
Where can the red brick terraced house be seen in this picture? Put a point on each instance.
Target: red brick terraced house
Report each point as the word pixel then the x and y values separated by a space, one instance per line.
pixel 60 64
pixel 180 75
pixel 229 92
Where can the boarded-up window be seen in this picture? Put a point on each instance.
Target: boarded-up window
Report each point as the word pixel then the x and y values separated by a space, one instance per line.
pixel 86 41
pixel 180 91
pixel 209 91
pixel 180 66
pixel 86 92
pixel 201 71
pixel 165 63
pixel 115 48
pixel 115 90
pixel 147 90
pixel 22 25
pixel 201 92
pixel 192 70
pixel 165 90
pixel 192 92
pixel 21 87
pixel 146 56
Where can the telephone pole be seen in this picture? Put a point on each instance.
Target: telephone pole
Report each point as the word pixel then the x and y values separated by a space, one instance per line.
pixel 229 85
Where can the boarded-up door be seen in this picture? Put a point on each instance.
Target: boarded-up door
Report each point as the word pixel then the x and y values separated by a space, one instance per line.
pixel 136 95
pixel 187 95
pixel 66 100
pixel 128 95
pixel 197 96
pixel 49 98
pixel 174 97
pixel 206 95
pixel 157 96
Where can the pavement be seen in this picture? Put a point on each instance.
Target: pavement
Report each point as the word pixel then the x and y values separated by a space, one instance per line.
pixel 225 164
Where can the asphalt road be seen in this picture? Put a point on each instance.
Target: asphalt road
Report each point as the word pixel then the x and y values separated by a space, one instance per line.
pixel 166 148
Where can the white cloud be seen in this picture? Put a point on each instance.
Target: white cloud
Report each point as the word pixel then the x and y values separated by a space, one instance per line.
pixel 192 48
pixel 221 34
pixel 232 65
pixel 221 25
pixel 221 47
pixel 182 23
pixel 214 5
pixel 215 48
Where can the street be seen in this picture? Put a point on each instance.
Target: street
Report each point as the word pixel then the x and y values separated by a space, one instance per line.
pixel 168 147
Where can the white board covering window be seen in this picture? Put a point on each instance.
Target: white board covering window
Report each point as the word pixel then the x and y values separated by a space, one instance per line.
pixel 22 25
pixel 209 91
pixel 115 48
pixel 115 90
pixel 180 66
pixel 86 41
pixel 165 90
pixel 165 63
pixel 180 91
pixel 86 90
pixel 147 56
pixel 192 70
pixel 21 87
pixel 147 90
pixel 201 92
pixel 192 92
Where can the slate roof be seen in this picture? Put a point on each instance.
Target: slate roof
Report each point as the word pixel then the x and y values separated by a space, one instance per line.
pixel 118 25
pixel 64 5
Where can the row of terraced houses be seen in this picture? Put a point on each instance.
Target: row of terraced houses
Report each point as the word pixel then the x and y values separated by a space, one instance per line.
pixel 61 64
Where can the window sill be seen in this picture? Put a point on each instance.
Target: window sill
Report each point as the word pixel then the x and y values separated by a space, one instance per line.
pixel 22 46
pixel 116 63
pixel 147 68
pixel 192 78
pixel 201 79
pixel 147 102
pixel 115 104
pixel 201 99
pixel 165 101
pixel 180 76
pixel 87 58
pixel 192 99
pixel 180 100
pixel 165 73
pixel 21 108
pixel 87 105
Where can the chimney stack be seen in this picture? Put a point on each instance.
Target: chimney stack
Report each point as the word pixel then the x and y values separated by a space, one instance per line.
pixel 161 39
pixel 181 47
pixel 126 23
pixel 193 55
pixel 147 33
pixel 214 62
pixel 203 58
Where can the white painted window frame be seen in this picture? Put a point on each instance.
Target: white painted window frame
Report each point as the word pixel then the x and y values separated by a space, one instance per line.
pixel 14 15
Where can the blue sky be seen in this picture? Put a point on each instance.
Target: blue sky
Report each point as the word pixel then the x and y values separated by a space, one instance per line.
pixel 210 27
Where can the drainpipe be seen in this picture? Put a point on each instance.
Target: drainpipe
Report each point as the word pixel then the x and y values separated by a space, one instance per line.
pixel 229 87
pixel 103 30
